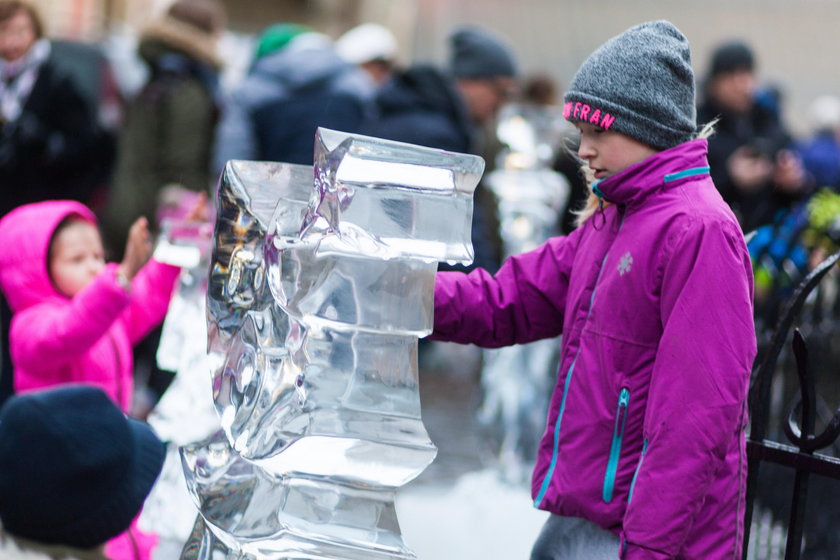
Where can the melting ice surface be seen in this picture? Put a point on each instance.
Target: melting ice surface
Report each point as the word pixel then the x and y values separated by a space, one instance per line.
pixel 321 281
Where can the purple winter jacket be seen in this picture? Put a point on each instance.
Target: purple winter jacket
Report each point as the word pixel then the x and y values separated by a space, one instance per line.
pixel 653 297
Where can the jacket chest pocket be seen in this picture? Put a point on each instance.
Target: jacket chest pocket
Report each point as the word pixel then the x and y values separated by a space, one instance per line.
pixel 615 446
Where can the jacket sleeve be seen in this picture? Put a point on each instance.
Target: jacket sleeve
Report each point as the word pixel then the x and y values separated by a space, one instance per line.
pixel 151 291
pixel 524 301
pixel 51 334
pixel 698 387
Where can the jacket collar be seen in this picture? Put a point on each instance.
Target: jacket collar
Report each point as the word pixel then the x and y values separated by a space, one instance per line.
pixel 650 175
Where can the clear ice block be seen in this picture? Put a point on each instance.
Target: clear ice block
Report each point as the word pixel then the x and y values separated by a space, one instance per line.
pixel 321 281
pixel 392 200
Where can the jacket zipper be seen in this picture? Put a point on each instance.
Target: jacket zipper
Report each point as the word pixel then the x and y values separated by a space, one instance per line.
pixel 638 468
pixel 547 479
pixel 615 448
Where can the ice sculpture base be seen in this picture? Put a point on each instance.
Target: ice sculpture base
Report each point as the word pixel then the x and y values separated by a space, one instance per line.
pixel 249 512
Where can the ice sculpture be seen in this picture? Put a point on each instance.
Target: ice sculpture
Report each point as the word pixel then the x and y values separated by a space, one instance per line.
pixel 318 292
pixel 517 380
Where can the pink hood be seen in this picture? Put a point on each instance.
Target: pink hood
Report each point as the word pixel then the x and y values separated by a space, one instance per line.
pixel 25 235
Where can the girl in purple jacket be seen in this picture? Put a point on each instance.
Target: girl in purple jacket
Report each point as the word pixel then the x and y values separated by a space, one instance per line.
pixel 643 455
pixel 75 318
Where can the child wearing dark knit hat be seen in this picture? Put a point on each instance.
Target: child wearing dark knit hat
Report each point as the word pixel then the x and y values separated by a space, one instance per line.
pixel 643 452
pixel 74 472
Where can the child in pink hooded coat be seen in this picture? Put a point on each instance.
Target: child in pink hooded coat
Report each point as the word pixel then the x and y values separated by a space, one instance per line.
pixel 75 318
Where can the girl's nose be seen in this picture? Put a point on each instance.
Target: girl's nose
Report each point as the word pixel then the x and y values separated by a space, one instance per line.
pixel 585 150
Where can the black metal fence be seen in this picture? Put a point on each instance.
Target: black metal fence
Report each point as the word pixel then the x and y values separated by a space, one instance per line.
pixel 795 403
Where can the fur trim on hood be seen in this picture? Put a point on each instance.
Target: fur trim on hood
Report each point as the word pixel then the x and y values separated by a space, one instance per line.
pixel 185 37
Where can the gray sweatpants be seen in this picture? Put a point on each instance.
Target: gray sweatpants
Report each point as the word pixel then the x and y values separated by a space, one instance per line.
pixel 573 538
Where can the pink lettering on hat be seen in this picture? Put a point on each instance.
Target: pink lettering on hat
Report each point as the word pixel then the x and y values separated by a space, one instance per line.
pixel 581 111
pixel 584 112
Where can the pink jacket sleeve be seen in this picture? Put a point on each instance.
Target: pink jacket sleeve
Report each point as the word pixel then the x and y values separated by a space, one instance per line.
pixel 66 330
pixel 524 301
pixel 698 386
pixel 151 291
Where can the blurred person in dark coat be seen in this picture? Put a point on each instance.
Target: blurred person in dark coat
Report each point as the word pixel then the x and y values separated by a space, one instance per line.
pixel 48 130
pixel 168 133
pixel 166 143
pixel 297 83
pixel 750 155
pixel 446 109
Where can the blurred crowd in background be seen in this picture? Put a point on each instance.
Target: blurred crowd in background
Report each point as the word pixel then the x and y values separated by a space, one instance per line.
pixel 136 119
pixel 139 121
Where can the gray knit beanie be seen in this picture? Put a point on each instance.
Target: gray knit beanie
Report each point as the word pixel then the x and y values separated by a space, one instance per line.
pixel 639 83
pixel 478 53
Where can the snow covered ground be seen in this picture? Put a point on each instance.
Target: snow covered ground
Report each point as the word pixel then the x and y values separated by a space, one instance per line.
pixel 478 518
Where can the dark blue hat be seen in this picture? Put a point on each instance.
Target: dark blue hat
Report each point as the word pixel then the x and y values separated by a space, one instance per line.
pixel 476 53
pixel 730 57
pixel 74 470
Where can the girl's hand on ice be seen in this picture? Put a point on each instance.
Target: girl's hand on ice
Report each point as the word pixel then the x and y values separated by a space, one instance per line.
pixel 138 248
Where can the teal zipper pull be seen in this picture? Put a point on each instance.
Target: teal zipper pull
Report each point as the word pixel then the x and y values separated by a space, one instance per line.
pixel 615 448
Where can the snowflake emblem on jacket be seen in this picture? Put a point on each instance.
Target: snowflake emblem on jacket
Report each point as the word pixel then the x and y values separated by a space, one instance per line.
pixel 626 263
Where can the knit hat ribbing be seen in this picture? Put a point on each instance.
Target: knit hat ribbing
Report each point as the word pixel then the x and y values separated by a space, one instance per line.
pixel 639 83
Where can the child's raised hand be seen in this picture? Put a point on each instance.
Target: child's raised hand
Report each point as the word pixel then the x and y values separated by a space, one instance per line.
pixel 138 248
